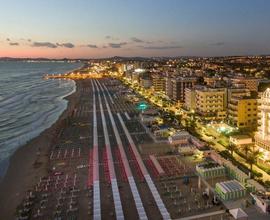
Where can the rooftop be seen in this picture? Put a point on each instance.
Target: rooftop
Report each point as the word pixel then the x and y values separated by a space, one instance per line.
pixel 230 186
pixel 262 196
pixel 209 165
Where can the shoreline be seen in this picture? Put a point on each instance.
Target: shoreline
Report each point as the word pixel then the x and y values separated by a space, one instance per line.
pixel 30 162
pixel 5 163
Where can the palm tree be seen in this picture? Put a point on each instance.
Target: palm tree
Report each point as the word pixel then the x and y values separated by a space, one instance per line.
pixel 246 149
pixel 251 160
pixel 257 154
pixel 253 157
pixel 231 147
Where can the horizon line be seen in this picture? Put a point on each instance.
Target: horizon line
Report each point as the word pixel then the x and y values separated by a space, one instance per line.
pixel 144 57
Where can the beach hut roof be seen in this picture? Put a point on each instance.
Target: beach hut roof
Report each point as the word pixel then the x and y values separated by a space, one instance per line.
pixel 238 213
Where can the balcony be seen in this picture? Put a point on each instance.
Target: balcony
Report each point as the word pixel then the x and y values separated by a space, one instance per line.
pixel 264 107
pixel 233 107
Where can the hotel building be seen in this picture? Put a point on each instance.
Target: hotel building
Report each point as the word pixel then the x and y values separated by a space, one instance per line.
pixel 158 83
pixel 262 136
pixel 242 112
pixel 211 103
pixel 250 83
pixel 179 85
pixel 190 99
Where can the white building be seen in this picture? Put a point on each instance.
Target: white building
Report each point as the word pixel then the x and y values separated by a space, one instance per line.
pixel 185 138
pixel 190 99
pixel 240 140
pixel 180 137
pixel 262 137
pixel 262 200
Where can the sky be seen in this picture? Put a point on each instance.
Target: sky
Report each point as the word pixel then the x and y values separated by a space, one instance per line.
pixel 105 28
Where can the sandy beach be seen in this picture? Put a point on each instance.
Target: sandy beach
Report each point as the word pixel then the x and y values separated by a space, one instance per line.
pixel 30 162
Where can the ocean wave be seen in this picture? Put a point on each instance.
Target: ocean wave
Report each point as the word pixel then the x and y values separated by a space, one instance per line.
pixel 29 130
pixel 11 99
pixel 29 105
pixel 30 118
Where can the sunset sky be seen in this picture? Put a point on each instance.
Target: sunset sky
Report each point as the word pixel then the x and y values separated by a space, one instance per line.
pixel 99 28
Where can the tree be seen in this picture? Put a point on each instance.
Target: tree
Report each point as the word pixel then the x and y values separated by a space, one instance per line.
pixel 246 149
pixel 251 160
pixel 253 157
pixel 257 154
pixel 231 147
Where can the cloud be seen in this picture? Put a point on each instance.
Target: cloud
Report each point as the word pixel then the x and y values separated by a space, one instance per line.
pixel 92 46
pixel 14 44
pixel 52 45
pixel 44 44
pixel 109 37
pixel 67 45
pixel 117 45
pixel 137 40
pixel 218 44
pixel 162 47
pixel 25 39
pixel 7 39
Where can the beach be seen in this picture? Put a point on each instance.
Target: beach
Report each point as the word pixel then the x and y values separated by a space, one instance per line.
pixel 30 162
pixel 29 104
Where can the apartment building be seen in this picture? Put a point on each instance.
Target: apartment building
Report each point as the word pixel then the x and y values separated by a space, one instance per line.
pixel 242 112
pixel 211 103
pixel 250 83
pixel 158 83
pixel 262 136
pixel 179 85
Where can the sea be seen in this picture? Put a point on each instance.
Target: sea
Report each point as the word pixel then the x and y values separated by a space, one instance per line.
pixel 28 103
